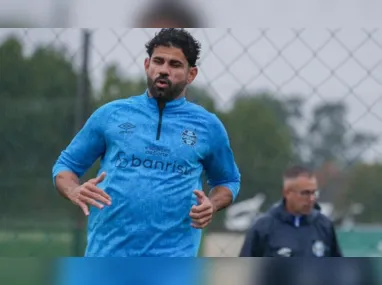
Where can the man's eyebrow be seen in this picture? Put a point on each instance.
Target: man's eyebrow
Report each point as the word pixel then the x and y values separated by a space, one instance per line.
pixel 162 57
pixel 176 61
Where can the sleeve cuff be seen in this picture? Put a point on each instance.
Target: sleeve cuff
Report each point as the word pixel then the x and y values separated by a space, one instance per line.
pixel 234 187
pixel 57 169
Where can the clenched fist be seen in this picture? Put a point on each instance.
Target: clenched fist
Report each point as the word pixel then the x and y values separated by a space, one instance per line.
pixel 202 213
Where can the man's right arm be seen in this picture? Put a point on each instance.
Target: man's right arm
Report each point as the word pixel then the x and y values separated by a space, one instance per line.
pixel 68 185
pixel 79 156
pixel 65 182
pixel 335 249
pixel 254 242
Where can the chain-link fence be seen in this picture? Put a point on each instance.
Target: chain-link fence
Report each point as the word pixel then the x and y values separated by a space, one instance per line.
pixel 285 96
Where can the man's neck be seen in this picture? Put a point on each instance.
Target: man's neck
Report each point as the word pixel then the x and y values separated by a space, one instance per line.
pixel 181 95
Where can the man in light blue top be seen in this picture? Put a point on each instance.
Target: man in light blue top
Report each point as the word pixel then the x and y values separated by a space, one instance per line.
pixel 147 198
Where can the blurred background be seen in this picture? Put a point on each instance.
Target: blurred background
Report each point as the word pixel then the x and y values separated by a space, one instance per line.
pixel 309 96
pixel 285 95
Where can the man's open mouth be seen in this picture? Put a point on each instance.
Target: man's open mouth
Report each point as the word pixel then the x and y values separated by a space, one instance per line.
pixel 162 83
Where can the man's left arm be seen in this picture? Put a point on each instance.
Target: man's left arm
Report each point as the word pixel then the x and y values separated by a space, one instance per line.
pixel 223 175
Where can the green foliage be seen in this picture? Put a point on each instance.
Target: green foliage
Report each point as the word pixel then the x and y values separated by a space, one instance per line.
pixel 49 71
pixel 363 186
pixel 43 74
pixel 117 86
pixel 330 138
pixel 262 144
pixel 38 98
pixel 200 96
pixel 13 69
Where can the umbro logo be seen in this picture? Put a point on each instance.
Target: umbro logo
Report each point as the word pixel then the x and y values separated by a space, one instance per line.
pixel 286 252
pixel 126 127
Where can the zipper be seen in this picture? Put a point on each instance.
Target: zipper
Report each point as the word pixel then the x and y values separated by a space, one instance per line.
pixel 159 128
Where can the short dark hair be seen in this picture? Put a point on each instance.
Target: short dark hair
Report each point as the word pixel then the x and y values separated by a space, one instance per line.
pixel 177 12
pixel 180 38
pixel 296 171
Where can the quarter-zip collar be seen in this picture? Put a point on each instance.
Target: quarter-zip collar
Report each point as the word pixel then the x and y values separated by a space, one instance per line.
pixel 161 108
pixel 279 210
pixel 169 105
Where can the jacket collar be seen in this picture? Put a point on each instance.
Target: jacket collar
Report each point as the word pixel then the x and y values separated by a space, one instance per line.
pixel 169 105
pixel 279 211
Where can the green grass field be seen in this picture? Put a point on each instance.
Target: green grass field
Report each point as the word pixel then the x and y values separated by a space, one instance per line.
pixel 36 243
pixel 24 253
pixel 51 243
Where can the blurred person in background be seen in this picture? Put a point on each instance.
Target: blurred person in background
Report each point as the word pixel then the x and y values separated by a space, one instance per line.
pixel 294 227
pixel 147 198
pixel 316 271
pixel 168 14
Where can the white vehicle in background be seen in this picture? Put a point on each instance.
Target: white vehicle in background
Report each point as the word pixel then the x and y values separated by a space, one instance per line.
pixel 241 215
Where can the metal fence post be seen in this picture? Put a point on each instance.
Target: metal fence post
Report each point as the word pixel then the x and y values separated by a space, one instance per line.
pixel 81 115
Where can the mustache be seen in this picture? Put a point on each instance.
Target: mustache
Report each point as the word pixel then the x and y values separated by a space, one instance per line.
pixel 163 78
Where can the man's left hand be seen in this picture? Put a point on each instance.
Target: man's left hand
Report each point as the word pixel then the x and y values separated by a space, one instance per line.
pixel 202 213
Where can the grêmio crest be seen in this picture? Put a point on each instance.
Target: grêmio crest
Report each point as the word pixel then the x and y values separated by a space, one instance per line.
pixel 189 137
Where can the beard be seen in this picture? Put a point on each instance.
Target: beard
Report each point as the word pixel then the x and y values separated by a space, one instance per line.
pixel 165 94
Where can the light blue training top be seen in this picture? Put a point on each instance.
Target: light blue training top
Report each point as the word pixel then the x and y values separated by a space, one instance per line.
pixel 154 160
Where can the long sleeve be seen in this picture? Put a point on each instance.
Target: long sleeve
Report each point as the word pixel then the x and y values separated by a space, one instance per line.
pixel 335 247
pixel 220 165
pixel 250 245
pixel 254 243
pixel 85 148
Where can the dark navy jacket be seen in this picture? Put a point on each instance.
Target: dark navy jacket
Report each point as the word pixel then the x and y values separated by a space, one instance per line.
pixel 279 234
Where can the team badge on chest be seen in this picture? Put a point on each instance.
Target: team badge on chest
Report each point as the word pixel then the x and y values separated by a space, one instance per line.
pixel 318 248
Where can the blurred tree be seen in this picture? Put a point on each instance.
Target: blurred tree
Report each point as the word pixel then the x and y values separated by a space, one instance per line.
pixel 331 138
pixel 363 186
pixel 334 146
pixel 50 69
pixel 13 71
pixel 202 97
pixel 262 143
pixel 117 86
pixel 330 180
pixel 288 112
pixel 38 98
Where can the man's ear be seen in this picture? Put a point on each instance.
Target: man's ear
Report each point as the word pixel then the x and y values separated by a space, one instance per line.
pixel 192 73
pixel 147 63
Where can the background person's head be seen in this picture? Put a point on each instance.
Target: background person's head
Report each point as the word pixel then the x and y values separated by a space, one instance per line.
pixel 169 14
pixel 299 190
pixel 171 64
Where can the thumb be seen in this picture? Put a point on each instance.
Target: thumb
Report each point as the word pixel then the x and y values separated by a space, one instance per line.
pixel 100 178
pixel 200 195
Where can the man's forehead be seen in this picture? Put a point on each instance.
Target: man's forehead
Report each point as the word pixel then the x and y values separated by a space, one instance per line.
pixel 301 181
pixel 169 53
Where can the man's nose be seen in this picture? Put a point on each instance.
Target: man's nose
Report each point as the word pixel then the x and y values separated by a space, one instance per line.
pixel 164 70
pixel 163 73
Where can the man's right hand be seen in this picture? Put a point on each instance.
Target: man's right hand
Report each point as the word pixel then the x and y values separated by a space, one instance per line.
pixel 89 194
